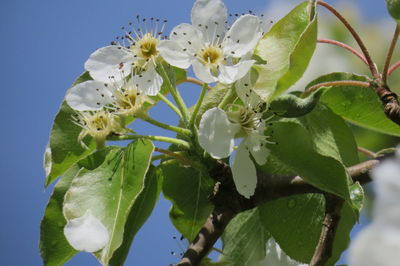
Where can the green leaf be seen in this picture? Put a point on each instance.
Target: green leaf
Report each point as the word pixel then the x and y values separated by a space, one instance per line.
pixel 188 191
pixel 141 210
pixel 358 105
pixel 295 223
pixel 244 240
pixel 289 105
pixel 110 191
pixel 331 135
pixel 393 7
pixel 287 48
pixel 64 149
pixel 54 248
pixel 296 149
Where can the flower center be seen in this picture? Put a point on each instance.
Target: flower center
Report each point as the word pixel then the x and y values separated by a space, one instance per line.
pixel 211 55
pixel 99 122
pixel 128 102
pixel 147 46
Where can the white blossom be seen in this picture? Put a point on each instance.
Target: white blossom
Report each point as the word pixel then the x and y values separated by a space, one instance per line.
pixel 276 257
pixel 86 233
pixel 215 53
pixel 219 128
pixel 379 242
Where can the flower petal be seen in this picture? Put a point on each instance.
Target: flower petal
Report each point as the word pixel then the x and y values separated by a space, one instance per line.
pixel 216 133
pixel 244 172
pixel 202 72
pixel 243 36
pixel 86 233
pixel 110 61
pixel 230 74
pixel 148 81
pixel 88 96
pixel 210 17
pixel 174 54
pixel 188 37
pixel 254 143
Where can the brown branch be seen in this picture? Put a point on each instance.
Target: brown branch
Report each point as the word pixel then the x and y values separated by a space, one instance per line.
pixel 390 54
pixel 323 251
pixel 228 202
pixel 345 46
pixel 391 106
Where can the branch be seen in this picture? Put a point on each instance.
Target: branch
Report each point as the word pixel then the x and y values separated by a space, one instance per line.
pixel 323 251
pixel 228 202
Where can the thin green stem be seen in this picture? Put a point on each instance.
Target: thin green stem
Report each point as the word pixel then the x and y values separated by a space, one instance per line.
pixel 178 142
pixel 390 54
pixel 355 35
pixel 178 130
pixel 228 98
pixel 198 104
pixel 170 104
pixel 175 94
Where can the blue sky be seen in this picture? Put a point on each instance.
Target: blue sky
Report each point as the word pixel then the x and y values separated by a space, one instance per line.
pixel 43 48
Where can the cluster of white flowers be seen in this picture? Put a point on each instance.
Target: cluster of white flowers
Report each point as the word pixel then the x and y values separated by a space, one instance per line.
pixel 379 242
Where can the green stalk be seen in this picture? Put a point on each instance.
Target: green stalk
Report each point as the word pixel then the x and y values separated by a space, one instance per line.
pixel 198 104
pixel 228 98
pixel 175 94
pixel 178 142
pixel 170 104
pixel 178 130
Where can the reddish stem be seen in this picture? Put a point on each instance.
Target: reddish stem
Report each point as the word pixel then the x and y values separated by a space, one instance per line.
pixel 390 54
pixel 345 46
pixel 393 68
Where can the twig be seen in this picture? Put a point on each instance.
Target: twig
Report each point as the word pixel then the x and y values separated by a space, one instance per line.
pixel 323 251
pixel 390 54
pixel 345 46
pixel 355 35
pixel 366 152
pixel 393 68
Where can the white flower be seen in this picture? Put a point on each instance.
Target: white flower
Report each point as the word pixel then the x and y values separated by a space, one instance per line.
pixel 216 55
pixel 219 128
pixel 86 233
pixel 276 257
pixel 137 60
pixel 379 243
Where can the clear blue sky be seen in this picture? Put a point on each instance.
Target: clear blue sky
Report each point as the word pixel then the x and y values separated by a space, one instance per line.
pixel 44 45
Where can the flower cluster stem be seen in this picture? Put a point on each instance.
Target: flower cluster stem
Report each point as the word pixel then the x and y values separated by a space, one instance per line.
pixel 175 94
pixel 178 142
pixel 198 104
pixel 178 130
pixel 345 46
pixel 170 104
pixel 228 98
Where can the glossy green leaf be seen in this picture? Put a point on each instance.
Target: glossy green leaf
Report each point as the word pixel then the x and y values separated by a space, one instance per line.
pixel 393 7
pixel 290 105
pixel 110 191
pixel 296 149
pixel 54 248
pixel 287 48
pixel 188 191
pixel 244 240
pixel 331 135
pixel 140 211
pixel 358 105
pixel 64 149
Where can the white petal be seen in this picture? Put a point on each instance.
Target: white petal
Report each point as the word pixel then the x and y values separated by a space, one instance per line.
pixel 255 144
pixel 211 15
pixel 174 54
pixel 230 74
pixel 202 72
pixel 86 233
pixel 243 36
pixel 110 61
pixel 88 95
pixel 375 245
pixel 148 81
pixel 216 133
pixel 188 37
pixel 276 257
pixel 244 90
pixel 244 172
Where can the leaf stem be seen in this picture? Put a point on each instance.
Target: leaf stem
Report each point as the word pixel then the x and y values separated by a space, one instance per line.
pixel 345 46
pixel 390 54
pixel 355 35
pixel 198 104
pixel 178 142
pixel 338 83
pixel 393 68
pixel 170 104
pixel 175 94
pixel 178 130
pixel 367 153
